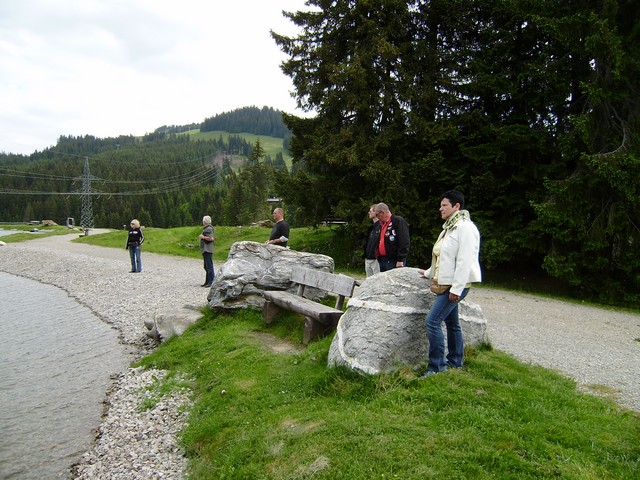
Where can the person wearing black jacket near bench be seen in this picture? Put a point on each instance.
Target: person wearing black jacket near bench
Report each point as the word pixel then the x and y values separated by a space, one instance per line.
pixel 280 232
pixel 371 266
pixel 393 244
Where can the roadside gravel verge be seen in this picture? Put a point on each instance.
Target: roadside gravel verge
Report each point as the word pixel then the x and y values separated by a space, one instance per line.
pixel 596 347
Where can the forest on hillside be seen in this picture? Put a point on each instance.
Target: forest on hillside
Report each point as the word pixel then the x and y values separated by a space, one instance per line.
pixel 164 180
pixel 529 107
pixel 259 121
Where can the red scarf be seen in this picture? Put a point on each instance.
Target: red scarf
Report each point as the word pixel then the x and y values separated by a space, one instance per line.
pixel 382 250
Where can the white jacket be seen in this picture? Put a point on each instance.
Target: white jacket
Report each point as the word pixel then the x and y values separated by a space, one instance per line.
pixel 459 257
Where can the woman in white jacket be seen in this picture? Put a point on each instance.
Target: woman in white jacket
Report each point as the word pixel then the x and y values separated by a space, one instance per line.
pixel 455 264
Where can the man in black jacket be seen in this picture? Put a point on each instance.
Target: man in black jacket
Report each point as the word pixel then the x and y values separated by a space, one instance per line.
pixel 280 232
pixel 393 243
pixel 371 266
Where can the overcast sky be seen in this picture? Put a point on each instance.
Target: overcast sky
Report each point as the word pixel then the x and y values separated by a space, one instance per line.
pixel 120 67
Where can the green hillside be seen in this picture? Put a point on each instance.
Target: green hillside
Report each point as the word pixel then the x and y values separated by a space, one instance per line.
pixel 271 145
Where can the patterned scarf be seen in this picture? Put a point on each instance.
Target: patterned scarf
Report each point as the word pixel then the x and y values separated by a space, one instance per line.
pixel 455 218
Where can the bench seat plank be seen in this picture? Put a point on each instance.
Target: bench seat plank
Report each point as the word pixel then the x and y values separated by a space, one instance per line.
pixel 304 306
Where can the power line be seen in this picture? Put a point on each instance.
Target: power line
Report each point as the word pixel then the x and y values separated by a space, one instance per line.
pixel 44 176
pixel 116 160
pixel 31 175
pixel 194 178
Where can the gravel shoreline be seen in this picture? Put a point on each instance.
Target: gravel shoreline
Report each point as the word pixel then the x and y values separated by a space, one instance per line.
pixel 596 347
pixel 131 443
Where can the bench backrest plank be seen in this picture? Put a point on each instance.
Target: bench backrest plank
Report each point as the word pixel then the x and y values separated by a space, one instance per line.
pixel 339 284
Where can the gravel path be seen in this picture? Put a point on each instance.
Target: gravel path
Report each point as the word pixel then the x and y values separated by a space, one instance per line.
pixel 599 348
pixel 596 347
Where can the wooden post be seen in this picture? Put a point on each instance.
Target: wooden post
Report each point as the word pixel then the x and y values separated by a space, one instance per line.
pixel 269 311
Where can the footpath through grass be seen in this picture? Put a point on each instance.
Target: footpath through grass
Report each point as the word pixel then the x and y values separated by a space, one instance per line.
pixel 265 415
pixel 183 241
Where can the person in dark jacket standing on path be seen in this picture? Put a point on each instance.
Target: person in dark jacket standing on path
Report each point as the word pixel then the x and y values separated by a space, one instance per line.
pixel 134 242
pixel 371 266
pixel 393 244
pixel 207 239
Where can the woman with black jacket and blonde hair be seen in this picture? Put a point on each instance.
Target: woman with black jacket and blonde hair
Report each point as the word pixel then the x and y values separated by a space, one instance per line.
pixel 134 242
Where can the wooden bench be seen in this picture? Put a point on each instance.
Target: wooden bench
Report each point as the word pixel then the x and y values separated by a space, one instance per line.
pixel 319 319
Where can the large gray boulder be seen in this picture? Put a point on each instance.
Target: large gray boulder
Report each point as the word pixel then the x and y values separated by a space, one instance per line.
pixel 383 327
pixel 253 267
pixel 172 322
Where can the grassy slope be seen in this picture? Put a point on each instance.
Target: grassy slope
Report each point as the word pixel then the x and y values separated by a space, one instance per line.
pixel 27 235
pixel 271 145
pixel 262 415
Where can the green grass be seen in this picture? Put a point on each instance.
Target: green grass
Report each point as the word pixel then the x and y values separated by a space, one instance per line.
pixel 183 241
pixel 262 415
pixel 27 235
pixel 271 145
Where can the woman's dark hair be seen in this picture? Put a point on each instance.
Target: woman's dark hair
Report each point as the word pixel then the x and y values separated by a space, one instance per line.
pixel 454 196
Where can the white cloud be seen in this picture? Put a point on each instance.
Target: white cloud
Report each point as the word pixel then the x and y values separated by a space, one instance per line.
pixel 106 68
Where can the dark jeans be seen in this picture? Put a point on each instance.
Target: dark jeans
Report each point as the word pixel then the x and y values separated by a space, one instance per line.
pixel 387 263
pixel 208 267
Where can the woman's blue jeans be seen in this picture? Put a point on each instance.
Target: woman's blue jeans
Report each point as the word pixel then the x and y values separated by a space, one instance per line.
pixel 136 260
pixel 442 310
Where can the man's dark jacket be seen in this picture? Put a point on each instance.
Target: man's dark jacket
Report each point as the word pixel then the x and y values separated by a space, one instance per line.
pixel 372 241
pixel 280 229
pixel 396 239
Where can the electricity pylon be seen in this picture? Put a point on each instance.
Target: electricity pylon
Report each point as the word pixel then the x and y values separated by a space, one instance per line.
pixel 86 218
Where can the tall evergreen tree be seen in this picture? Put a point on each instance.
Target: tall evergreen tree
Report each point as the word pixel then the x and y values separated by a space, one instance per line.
pixel 349 66
pixel 592 214
pixel 497 99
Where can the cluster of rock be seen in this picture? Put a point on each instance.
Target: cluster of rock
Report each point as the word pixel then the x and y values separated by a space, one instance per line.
pixel 254 267
pixel 133 441
pixel 166 324
pixel 250 269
